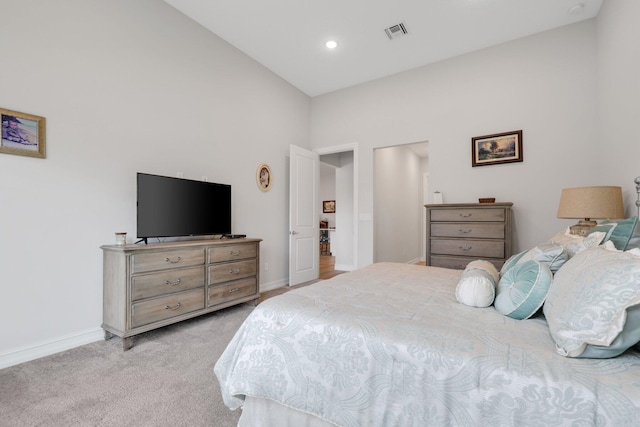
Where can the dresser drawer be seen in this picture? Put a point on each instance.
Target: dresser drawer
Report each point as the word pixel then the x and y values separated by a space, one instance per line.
pixel 453 215
pixel 167 259
pixel 459 263
pixel 472 248
pixel 232 290
pixel 166 307
pixel 231 271
pixel 232 252
pixel 469 230
pixel 166 282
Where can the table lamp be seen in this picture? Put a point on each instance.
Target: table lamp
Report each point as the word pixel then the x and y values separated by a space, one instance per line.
pixel 589 203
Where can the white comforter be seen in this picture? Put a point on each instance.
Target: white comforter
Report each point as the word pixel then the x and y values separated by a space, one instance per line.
pixel 388 345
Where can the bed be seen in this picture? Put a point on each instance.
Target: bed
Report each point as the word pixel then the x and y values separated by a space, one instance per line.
pixel 393 345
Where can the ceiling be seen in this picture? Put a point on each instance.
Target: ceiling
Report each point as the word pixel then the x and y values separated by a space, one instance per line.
pixel 288 36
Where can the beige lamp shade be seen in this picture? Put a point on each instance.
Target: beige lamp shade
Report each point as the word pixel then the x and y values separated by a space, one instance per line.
pixel 589 203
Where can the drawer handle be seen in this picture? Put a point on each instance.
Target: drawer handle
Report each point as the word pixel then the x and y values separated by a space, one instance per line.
pixel 464 231
pixel 231 291
pixel 234 271
pixel 170 283
pixel 234 253
pixel 468 248
pixel 173 262
pixel 175 307
pixel 468 215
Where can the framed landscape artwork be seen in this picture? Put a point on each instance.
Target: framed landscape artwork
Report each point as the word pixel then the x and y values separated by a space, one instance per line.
pixel 329 206
pixel 496 149
pixel 22 134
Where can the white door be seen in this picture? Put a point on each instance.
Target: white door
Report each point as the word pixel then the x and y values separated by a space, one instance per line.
pixel 304 215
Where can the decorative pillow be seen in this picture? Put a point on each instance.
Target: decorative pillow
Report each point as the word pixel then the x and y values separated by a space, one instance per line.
pixel 511 262
pixel 522 289
pixel 477 286
pixel 624 233
pixel 551 255
pixel 573 244
pixel 587 306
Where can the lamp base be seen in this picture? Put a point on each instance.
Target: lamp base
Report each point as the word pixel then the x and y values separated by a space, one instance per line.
pixel 582 228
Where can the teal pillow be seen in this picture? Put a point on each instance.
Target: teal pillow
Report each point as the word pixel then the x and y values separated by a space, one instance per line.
pixel 629 336
pixel 523 289
pixel 511 262
pixel 624 233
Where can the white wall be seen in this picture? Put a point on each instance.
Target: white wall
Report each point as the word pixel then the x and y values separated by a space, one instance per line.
pixel 344 236
pixel 327 190
pixel 618 95
pixel 544 84
pixel 125 86
pixel 397 205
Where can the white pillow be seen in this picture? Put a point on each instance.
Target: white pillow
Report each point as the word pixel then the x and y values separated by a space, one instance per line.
pixel 477 286
pixel 573 244
pixel 588 301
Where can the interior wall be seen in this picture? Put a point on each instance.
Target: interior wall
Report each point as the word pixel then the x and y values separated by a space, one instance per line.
pixel 544 84
pixel 397 205
pixel 343 239
pixel 125 86
pixel 618 94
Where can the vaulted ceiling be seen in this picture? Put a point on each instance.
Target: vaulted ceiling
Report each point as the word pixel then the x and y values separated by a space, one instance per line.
pixel 288 36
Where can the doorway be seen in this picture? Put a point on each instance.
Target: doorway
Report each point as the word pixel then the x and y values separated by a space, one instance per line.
pixel 400 189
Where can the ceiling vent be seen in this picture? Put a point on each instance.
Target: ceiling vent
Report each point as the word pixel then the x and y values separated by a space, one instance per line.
pixel 396 31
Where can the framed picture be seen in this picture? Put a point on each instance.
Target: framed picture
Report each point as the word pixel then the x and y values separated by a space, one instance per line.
pixel 495 149
pixel 329 206
pixel 22 134
pixel 264 177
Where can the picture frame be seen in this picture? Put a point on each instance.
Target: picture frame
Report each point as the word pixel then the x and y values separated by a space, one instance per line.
pixel 496 149
pixel 22 134
pixel 329 206
pixel 264 177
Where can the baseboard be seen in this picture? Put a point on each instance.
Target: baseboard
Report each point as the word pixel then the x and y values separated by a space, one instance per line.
pixel 264 287
pixel 47 348
pixel 344 267
pixel 415 260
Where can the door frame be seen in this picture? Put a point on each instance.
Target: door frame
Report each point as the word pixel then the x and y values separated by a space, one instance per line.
pixel 356 225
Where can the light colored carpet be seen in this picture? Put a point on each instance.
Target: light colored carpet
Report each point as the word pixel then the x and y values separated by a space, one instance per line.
pixel 166 379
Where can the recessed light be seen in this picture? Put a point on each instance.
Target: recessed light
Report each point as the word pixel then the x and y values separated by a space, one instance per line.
pixel 331 44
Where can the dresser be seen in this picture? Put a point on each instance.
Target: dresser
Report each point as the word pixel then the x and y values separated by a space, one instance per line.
pixel 460 233
pixel 149 286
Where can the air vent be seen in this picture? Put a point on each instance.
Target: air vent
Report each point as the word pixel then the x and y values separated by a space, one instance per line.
pixel 396 31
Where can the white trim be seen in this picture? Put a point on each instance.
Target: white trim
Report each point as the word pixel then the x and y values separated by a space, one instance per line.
pixel 264 287
pixel 356 221
pixel 415 260
pixel 47 348
pixel 344 267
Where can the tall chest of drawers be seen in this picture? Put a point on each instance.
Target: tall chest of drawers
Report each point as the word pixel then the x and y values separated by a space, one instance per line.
pixel 149 286
pixel 460 233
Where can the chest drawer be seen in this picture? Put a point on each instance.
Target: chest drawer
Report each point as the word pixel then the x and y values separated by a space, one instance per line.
pixel 231 271
pixel 165 282
pixel 471 248
pixel 232 252
pixel 166 307
pixel 460 215
pixel 468 230
pixel 232 290
pixel 459 263
pixel 165 260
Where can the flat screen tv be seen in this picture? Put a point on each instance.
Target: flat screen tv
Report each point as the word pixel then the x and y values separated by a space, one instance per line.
pixel 173 207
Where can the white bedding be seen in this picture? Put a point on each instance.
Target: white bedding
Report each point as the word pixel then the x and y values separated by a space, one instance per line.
pixel 389 345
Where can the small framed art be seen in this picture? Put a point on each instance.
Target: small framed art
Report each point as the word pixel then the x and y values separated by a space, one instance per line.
pixel 496 149
pixel 22 134
pixel 329 206
pixel 264 177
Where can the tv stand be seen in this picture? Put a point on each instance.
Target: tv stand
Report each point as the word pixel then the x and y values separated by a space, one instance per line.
pixel 147 287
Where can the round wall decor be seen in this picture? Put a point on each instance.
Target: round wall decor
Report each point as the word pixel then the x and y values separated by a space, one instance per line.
pixel 264 177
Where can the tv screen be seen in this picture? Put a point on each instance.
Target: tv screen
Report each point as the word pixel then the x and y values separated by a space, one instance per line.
pixel 170 207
